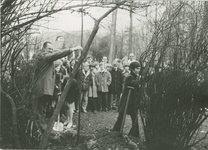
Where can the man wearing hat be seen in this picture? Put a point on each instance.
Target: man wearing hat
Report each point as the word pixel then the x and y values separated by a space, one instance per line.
pixel 133 81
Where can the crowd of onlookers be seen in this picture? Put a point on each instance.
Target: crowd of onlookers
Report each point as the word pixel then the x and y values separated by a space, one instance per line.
pixel 97 85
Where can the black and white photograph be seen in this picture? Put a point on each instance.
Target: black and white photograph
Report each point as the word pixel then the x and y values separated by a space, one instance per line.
pixel 104 75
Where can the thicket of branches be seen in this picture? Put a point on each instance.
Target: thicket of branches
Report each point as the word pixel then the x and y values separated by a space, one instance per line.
pixel 174 77
pixel 180 39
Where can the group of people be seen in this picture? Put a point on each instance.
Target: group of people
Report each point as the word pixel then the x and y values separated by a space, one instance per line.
pixel 98 86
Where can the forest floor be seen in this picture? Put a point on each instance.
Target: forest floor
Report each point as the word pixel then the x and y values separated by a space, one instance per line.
pixel 96 134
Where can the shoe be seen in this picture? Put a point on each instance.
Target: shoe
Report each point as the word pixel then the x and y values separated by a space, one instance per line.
pixel 73 126
pixel 84 111
pixel 69 125
pixel 66 123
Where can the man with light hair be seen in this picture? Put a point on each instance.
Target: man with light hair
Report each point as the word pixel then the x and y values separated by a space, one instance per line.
pixel 105 61
pixel 86 80
pixel 131 58
pixel 45 75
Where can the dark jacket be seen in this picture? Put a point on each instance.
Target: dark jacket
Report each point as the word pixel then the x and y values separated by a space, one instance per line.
pixel 86 79
pixel 133 81
pixel 72 95
pixel 116 82
pixel 58 86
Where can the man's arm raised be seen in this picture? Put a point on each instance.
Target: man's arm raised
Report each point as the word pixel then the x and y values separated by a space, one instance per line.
pixel 57 54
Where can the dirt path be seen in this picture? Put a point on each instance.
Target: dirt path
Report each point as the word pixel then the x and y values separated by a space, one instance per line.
pixel 95 128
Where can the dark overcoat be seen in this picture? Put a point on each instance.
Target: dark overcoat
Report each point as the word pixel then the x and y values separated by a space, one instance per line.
pixel 116 82
pixel 132 80
pixel 73 93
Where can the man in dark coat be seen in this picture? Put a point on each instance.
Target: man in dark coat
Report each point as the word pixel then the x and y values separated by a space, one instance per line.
pixel 132 80
pixel 115 87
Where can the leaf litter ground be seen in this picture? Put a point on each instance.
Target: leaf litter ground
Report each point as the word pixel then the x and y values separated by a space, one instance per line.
pixel 96 134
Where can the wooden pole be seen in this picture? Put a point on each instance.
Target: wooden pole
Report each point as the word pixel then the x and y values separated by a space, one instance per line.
pixel 113 36
pixel 125 110
pixel 130 31
pixel 79 99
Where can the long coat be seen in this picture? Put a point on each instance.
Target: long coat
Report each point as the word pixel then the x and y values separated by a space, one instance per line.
pixel 133 81
pixel 93 88
pixel 45 83
pixel 116 84
pixel 45 71
pixel 103 80
pixel 86 79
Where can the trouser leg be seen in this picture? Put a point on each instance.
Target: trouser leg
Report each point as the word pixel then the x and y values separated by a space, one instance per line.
pixel 94 104
pixel 70 112
pixel 135 126
pixel 118 98
pixel 90 105
pixel 100 101
pixel 85 100
pixel 106 100
pixel 113 100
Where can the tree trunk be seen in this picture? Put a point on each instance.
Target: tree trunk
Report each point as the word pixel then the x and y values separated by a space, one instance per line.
pixel 44 140
pixel 130 31
pixel 16 143
pixel 113 36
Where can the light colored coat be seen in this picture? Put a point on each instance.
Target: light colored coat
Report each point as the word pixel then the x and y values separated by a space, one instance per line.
pixel 103 80
pixel 93 88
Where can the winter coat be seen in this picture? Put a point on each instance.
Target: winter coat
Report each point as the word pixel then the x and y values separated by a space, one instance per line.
pixel 45 84
pixel 45 71
pixel 103 80
pixel 93 88
pixel 58 86
pixel 124 75
pixel 86 80
pixel 133 81
pixel 116 84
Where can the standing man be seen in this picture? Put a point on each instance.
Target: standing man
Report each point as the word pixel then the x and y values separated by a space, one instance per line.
pixel 86 82
pixel 105 61
pixel 131 58
pixel 45 75
pixel 103 80
pixel 115 86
